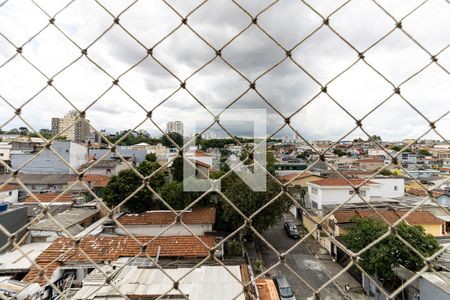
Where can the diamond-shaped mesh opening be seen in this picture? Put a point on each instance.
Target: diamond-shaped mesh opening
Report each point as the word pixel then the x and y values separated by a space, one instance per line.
pixel 110 114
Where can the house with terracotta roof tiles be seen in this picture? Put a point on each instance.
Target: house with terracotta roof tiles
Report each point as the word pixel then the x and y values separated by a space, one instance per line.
pixel 341 220
pixel 49 198
pixel 198 221
pixel 65 264
pixel 339 223
pixel 335 191
pixel 298 187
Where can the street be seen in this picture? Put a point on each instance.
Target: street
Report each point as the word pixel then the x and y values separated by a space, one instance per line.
pixel 301 261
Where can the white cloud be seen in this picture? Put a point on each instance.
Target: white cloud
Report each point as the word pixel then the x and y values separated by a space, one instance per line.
pixel 286 87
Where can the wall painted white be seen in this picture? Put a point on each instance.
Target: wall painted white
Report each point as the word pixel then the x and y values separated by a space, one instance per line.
pixel 11 196
pixel 177 229
pixel 5 150
pixel 388 187
pixel 326 195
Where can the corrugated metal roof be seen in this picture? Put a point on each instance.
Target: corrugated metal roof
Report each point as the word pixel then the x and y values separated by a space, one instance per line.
pixel 204 283
pixel 41 178
pixel 34 209
pixel 15 260
pixel 66 219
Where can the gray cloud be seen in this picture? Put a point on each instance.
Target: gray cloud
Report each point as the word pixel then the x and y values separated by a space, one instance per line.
pixel 324 55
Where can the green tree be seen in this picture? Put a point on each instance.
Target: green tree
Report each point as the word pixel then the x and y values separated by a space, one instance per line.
pixel 376 138
pixel 396 148
pixel 23 131
pixel 151 157
pixel 381 258
pixel 126 182
pixel 248 202
pixel 339 152
pixel 424 152
pixel 147 168
pixel 303 155
pixel 177 169
pixel 173 193
pixel 46 133
pixel 270 161
pixel 386 172
pixel 132 138
pixel 176 137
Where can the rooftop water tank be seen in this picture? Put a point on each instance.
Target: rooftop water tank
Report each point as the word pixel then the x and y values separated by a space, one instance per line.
pixel 3 206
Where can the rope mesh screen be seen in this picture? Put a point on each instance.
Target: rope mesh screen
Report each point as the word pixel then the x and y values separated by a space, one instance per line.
pixel 117 29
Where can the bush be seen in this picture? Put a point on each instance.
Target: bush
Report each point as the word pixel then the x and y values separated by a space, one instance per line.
pixel 233 248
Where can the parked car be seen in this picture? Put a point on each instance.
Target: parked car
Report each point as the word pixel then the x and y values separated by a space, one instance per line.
pixel 291 230
pixel 283 288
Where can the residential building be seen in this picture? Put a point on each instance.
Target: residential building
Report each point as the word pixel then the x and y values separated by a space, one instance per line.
pixel 96 183
pixel 40 183
pixel 15 147
pixel 435 285
pixel 444 156
pixel 234 149
pixel 35 209
pixel 336 191
pixel 159 150
pixel 47 162
pixel 70 222
pixel 388 187
pixel 419 174
pixel 106 167
pixel 72 127
pixel 136 282
pixel 49 198
pixel 14 289
pixel 175 126
pixel 444 171
pixel 370 164
pixel 300 179
pixel 298 188
pixel 15 264
pixel 288 167
pixel 342 220
pixel 199 221
pixel 380 153
pixel 13 220
pixel 408 158
pixel 62 259
pixel 209 136
pixel 9 193
pixel 133 156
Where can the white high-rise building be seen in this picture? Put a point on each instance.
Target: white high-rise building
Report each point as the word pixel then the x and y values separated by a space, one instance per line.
pixel 71 128
pixel 209 136
pixel 175 126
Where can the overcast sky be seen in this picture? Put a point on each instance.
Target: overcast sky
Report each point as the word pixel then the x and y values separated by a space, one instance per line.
pixel 323 55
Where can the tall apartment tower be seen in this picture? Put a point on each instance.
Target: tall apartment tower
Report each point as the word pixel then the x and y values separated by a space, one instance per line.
pixel 78 132
pixel 175 126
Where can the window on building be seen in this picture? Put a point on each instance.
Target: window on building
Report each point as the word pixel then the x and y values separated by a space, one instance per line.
pixel 10 193
pixel 362 193
pixel 314 204
pixel 395 188
pixel 314 191
pixel 351 192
